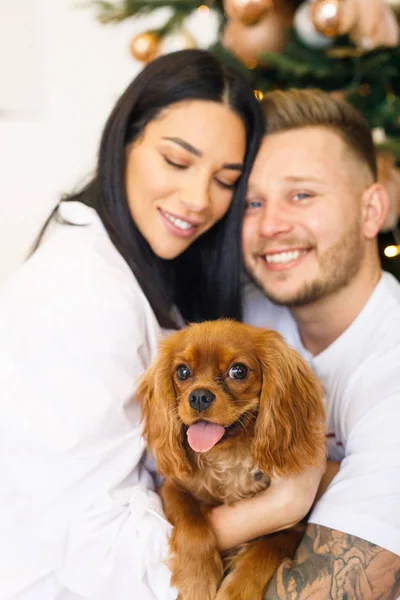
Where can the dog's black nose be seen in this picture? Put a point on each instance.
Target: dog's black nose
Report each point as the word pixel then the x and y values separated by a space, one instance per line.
pixel 201 399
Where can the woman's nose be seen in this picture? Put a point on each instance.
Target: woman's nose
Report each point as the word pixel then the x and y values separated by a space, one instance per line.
pixel 196 195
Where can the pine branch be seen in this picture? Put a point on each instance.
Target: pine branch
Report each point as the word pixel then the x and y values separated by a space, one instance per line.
pixel 118 11
pixel 174 22
pixel 370 81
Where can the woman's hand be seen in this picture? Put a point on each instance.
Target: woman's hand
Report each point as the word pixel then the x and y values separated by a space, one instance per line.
pixel 283 504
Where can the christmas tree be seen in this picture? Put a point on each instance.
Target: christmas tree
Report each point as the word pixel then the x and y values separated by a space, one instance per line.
pixel 346 47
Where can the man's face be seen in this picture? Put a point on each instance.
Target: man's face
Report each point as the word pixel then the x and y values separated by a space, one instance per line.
pixel 302 231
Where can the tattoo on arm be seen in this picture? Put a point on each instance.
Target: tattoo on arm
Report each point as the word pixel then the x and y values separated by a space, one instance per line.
pixel 331 565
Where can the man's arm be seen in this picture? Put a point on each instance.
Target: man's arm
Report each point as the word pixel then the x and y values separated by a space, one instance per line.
pixel 283 504
pixel 331 565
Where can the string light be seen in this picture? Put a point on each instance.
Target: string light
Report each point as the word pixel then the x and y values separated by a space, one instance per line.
pixel 391 251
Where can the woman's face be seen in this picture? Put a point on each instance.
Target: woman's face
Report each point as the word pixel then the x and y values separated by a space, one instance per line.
pixel 181 173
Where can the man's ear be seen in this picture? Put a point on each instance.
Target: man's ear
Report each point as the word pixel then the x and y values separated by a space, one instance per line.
pixel 375 203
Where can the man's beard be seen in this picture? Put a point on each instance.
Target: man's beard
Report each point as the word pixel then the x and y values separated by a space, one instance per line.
pixel 337 267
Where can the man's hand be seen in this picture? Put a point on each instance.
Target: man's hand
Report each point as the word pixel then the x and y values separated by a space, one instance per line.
pixel 332 469
pixel 283 504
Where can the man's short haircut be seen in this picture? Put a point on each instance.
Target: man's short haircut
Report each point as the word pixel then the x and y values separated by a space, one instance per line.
pixel 294 108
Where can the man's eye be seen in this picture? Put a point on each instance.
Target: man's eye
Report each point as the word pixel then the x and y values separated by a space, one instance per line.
pixel 301 196
pixel 238 371
pixel 183 372
pixel 174 164
pixel 252 204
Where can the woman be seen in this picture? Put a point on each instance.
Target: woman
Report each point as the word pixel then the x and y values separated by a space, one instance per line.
pixel 151 242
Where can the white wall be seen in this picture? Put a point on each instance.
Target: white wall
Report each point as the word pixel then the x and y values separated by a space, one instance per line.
pixel 49 136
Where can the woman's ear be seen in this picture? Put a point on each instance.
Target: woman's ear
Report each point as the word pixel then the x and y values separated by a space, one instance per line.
pixel 375 204
pixel 290 426
pixel 161 428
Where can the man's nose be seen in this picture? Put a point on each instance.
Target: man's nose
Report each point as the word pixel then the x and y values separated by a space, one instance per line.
pixel 274 221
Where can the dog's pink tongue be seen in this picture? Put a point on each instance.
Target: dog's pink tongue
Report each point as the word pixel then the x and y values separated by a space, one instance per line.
pixel 202 436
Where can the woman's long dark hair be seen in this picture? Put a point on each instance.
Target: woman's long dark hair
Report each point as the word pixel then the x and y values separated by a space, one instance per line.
pixel 204 282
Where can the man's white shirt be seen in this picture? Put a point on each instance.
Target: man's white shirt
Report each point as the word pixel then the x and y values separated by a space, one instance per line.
pixel 360 374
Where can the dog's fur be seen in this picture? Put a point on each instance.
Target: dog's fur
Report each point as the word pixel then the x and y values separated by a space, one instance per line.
pixel 274 424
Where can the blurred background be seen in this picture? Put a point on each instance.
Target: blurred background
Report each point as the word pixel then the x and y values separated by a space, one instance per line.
pixel 63 63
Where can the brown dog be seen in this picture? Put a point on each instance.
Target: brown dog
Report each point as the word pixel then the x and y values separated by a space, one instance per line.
pixel 226 405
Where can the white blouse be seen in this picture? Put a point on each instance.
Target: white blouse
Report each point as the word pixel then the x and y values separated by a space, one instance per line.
pixel 78 515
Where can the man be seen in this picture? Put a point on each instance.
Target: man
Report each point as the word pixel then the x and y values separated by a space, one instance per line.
pixel 314 209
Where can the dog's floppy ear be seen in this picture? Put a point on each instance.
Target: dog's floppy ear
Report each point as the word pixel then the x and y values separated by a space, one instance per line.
pixel 161 427
pixel 290 426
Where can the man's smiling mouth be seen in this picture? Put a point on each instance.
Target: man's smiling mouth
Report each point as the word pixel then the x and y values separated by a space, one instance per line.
pixel 284 257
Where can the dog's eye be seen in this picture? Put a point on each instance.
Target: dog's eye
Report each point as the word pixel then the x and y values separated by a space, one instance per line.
pixel 238 371
pixel 183 372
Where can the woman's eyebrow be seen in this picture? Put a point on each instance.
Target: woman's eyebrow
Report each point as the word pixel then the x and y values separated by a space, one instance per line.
pixel 197 152
pixel 184 145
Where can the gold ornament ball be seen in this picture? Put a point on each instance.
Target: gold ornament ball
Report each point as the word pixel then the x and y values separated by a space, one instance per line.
pixel 247 12
pixel 325 16
pixel 306 31
pixel 268 35
pixel 145 46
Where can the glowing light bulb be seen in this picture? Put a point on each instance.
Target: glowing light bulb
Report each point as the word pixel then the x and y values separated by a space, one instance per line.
pixel 391 251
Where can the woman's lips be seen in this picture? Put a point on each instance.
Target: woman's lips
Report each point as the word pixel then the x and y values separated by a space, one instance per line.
pixel 178 225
